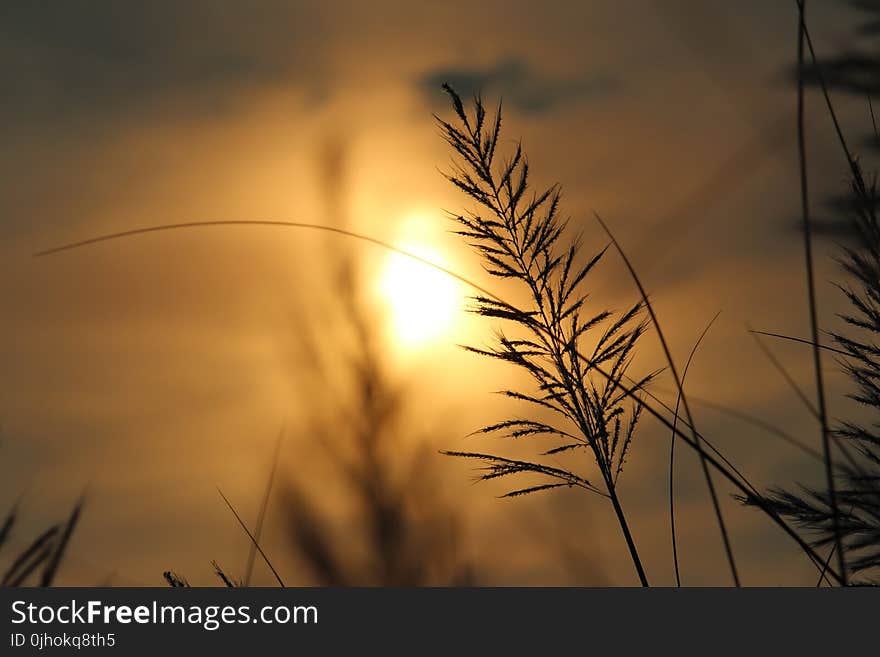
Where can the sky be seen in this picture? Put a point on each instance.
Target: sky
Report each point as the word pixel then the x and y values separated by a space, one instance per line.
pixel 150 371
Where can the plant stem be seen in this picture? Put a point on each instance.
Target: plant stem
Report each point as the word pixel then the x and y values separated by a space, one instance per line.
pixel 624 526
pixel 728 549
pixel 721 465
pixel 811 290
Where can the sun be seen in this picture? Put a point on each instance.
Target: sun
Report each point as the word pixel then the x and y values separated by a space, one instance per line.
pixel 422 301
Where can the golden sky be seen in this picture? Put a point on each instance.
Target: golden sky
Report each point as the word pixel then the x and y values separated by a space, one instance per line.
pixel 153 370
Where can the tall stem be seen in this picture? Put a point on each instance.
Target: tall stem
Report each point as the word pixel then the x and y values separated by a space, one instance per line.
pixel 811 290
pixel 624 526
pixel 554 347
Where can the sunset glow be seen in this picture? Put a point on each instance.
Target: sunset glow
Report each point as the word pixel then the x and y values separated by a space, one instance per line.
pixel 422 302
pixel 370 294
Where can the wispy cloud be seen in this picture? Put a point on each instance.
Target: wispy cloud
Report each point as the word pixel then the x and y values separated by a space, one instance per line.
pixel 521 85
pixel 60 61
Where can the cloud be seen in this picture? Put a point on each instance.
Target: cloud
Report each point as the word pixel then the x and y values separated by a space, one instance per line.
pixel 61 60
pixel 520 85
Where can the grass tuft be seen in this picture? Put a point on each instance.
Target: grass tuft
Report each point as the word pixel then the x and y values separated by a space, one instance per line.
pixel 522 237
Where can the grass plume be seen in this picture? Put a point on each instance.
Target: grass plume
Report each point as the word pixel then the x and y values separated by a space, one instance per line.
pixel 521 236
pixel 858 481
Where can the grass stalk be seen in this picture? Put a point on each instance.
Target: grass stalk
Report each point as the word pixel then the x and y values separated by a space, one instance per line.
pixel 728 549
pixel 253 540
pixel 636 392
pixel 264 505
pixel 672 442
pixel 627 535
pixel 811 291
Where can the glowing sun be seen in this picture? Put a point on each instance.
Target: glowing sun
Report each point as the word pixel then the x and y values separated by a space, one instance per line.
pixel 422 301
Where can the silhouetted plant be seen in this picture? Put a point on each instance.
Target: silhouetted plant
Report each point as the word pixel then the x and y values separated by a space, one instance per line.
pixel 855 69
pixel 846 514
pixel 859 478
pixel 44 555
pixel 406 534
pixel 521 237
pixel 578 360
pixel 174 580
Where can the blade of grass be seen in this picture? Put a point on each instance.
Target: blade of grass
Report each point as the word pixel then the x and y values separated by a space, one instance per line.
pixel 850 158
pixel 811 291
pixel 873 117
pixel 684 374
pixel 174 580
pixel 30 567
pixel 760 424
pixel 784 374
pixel 58 553
pixel 724 467
pixel 253 540
pixel 837 441
pixel 822 577
pixel 791 338
pixel 258 529
pixel 8 523
pixel 246 222
pixel 366 238
pixel 218 571
pixel 42 542
pixel 728 472
pixel 707 475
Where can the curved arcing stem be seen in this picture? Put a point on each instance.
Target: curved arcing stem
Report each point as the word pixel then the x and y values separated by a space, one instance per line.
pixel 748 418
pixel 779 367
pixel 729 474
pixel 722 466
pixel 792 338
pixel 106 237
pixel 834 436
pixel 707 475
pixel 684 374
